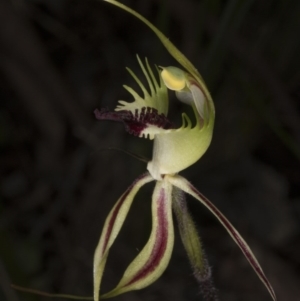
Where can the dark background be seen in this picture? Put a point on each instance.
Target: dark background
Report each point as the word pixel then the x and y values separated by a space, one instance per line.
pixel 60 59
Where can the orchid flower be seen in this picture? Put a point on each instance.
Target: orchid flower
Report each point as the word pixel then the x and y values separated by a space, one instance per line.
pixel 174 150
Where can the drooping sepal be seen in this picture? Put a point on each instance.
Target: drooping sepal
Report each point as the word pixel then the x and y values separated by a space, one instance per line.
pixel 152 261
pixel 111 229
pixel 187 187
pixel 193 246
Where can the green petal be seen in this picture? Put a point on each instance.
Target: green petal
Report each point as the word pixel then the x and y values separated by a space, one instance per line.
pixel 112 227
pixel 152 261
pixel 187 187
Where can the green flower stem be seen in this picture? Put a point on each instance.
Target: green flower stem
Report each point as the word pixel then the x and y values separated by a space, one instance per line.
pixel 193 247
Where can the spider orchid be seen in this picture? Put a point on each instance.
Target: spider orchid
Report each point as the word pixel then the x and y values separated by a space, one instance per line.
pixel 174 150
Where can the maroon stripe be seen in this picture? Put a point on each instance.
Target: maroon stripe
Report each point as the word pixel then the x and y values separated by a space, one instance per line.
pixel 160 244
pixel 241 244
pixel 117 209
